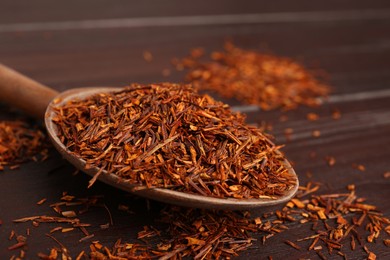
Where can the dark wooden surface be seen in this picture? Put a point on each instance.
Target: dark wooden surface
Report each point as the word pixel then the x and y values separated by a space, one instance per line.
pixel 49 41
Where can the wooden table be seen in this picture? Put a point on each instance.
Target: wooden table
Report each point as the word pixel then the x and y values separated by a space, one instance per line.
pixel 67 44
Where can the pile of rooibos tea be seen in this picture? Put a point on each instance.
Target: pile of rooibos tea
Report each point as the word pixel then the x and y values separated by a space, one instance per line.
pixel 261 79
pixel 20 142
pixel 169 135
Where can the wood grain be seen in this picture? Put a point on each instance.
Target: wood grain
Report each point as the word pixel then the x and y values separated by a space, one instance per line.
pixel 355 53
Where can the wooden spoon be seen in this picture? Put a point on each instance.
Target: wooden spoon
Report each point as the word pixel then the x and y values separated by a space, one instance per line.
pixel 38 100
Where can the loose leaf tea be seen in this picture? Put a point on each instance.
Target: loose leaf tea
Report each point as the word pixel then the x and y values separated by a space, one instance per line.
pixel 334 219
pixel 168 135
pixel 265 80
pixel 20 142
pixel 334 224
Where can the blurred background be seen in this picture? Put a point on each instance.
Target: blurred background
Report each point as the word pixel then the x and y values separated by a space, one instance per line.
pixel 79 43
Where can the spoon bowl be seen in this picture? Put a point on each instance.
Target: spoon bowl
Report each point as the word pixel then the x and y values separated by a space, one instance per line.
pixel 44 100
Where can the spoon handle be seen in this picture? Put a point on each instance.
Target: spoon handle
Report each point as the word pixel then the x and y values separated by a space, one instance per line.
pixel 24 93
